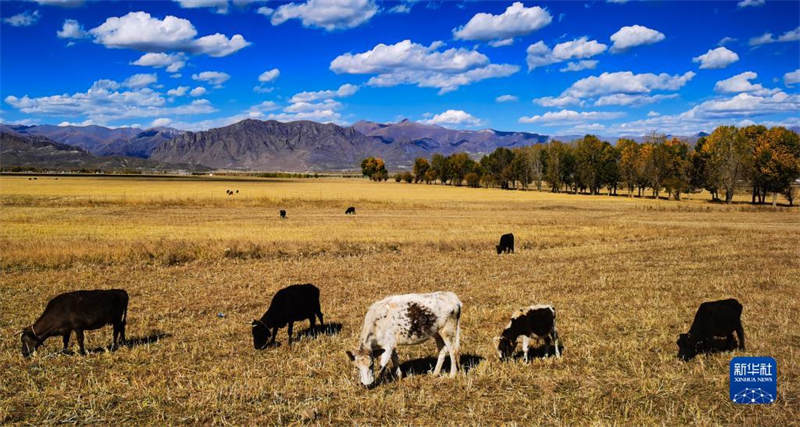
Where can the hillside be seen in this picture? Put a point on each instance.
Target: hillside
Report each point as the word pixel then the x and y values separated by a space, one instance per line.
pixel 103 141
pixel 30 151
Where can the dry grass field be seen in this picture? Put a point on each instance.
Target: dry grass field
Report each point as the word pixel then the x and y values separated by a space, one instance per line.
pixel 626 276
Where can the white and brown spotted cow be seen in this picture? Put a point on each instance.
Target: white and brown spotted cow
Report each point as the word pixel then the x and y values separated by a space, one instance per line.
pixel 407 320
pixel 537 322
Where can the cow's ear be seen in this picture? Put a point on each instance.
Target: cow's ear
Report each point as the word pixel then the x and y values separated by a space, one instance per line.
pixel 378 352
pixel 350 356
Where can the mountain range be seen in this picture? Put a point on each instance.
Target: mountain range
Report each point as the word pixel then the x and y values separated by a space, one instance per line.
pixel 271 145
pixel 18 150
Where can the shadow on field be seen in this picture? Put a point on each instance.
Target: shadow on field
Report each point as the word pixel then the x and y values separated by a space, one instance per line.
pixel 153 338
pixel 539 352
pixel 425 365
pixel 330 329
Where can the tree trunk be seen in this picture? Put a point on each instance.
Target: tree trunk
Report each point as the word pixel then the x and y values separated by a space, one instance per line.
pixel 774 199
pixel 728 195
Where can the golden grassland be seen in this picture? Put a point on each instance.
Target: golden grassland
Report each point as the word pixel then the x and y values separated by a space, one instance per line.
pixel 625 275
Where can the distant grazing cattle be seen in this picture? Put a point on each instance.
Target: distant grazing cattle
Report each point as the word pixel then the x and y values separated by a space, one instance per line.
pixel 506 244
pixel 350 211
pixel 537 322
pixel 407 320
pixel 713 319
pixel 78 311
pixel 237 191
pixel 283 213
pixel 228 192
pixel 290 304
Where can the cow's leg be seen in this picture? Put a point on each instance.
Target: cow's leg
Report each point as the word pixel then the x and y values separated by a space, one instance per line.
pixel 291 325
pixel 65 339
pixel 396 364
pixel 555 342
pixel 319 314
pixel 442 353
pixel 115 336
pixel 312 323
pixel 79 336
pixel 740 334
pixel 274 334
pixel 526 341
pixel 386 356
pixel 452 348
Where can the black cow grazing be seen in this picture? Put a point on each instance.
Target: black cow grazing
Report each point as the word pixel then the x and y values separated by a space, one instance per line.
pixel 537 322
pixel 350 211
pixel 713 319
pixel 237 191
pixel 506 244
pixel 290 304
pixel 283 214
pixel 78 311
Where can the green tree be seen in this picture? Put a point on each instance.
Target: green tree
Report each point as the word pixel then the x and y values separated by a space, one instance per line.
pixel 628 153
pixel 421 166
pixel 728 159
pixel 777 160
pixel 374 168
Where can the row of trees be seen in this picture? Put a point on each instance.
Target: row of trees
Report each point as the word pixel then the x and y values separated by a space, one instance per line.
pixel 766 159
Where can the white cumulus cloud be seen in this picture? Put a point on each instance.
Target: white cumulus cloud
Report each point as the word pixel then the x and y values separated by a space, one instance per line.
pixel 766 38
pixel 792 77
pixel 216 78
pixel 569 116
pixel 720 57
pixel 24 19
pixel 741 83
pixel 344 90
pixel 178 91
pixel 198 91
pixel 517 20
pixel 539 54
pixel 746 3
pixel 172 62
pixel 160 122
pixel 72 29
pixel 326 14
pixel 506 98
pixel 140 31
pixel 221 6
pixel 105 102
pixel 453 117
pixel 634 35
pixel 586 64
pixel 137 81
pixel 269 75
pixel 406 62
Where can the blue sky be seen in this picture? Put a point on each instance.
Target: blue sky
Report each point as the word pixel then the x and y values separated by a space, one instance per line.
pixel 610 68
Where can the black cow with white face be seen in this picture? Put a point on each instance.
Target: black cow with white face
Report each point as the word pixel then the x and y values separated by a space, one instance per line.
pixel 714 319
pixel 290 304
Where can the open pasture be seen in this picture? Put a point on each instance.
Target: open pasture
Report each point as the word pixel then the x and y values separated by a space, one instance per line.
pixel 625 276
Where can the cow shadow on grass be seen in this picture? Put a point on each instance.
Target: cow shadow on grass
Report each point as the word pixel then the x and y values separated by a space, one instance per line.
pixel 153 338
pixel 330 329
pixel 541 352
pixel 425 365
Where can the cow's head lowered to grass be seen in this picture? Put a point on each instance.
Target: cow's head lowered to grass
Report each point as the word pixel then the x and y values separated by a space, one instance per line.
pixel 364 361
pixel 260 335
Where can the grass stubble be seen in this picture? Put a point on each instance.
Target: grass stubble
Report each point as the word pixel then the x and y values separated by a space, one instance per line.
pixel 625 275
